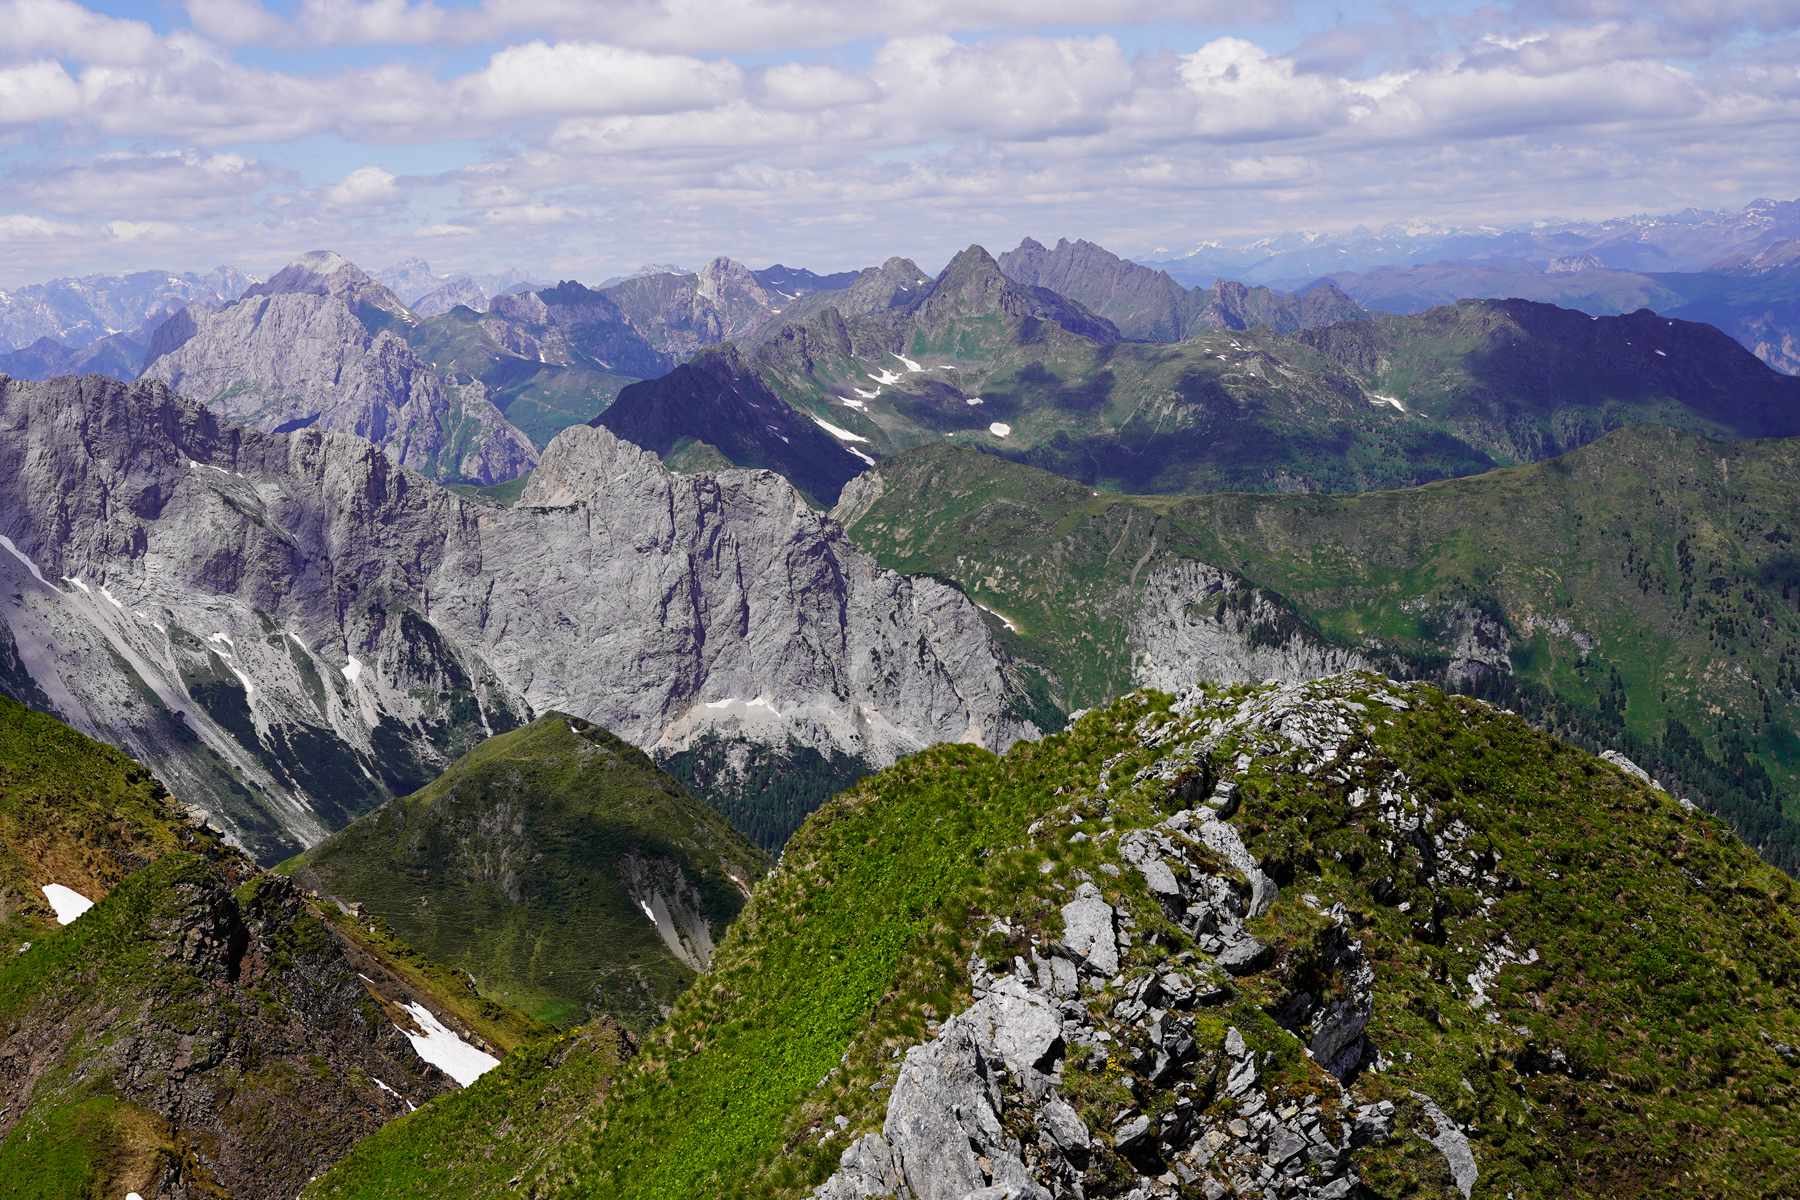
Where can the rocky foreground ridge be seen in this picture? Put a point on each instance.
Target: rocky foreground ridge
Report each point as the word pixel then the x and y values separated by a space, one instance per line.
pixel 1352 937
pixel 289 627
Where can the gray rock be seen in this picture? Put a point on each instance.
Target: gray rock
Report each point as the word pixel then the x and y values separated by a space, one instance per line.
pixel 1284 1144
pixel 865 1169
pixel 1452 1143
pixel 1243 955
pixel 1131 1132
pixel 1234 1043
pixel 316 347
pixel 1242 1077
pixel 943 1099
pixel 1024 1028
pixel 1137 850
pixel 1088 930
pixel 1224 839
pixel 1064 1126
pixel 323 595
pixel 1372 1123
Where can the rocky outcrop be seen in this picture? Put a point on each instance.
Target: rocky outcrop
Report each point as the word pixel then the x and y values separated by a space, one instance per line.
pixel 290 627
pixel 206 1020
pixel 1200 1112
pixel 1194 622
pixel 323 345
pixel 79 312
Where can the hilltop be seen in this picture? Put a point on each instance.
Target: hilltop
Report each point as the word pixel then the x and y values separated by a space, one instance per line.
pixel 557 866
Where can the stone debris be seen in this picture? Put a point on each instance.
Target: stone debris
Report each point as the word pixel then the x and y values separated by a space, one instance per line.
pixel 990 1077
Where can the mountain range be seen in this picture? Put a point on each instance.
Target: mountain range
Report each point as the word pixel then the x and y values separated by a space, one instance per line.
pixel 1037 730
pixel 1368 402
pixel 290 628
pixel 1690 240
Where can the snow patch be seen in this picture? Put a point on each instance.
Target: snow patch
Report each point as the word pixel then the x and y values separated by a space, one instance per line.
pixel 972 399
pixel 647 911
pixel 999 429
pixel 860 454
pixel 910 364
pixel 984 608
pixel 353 669
pixel 221 637
pixel 1664 354
pixel 410 1106
pixel 842 435
pixel 1379 400
pixel 77 582
pixel 111 599
pixel 725 703
pixel 865 395
pixel 444 1050
pixel 20 555
pixel 67 902
pixel 884 377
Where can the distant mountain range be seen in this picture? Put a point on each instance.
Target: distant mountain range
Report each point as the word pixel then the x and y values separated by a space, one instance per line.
pixel 77 312
pixel 1691 240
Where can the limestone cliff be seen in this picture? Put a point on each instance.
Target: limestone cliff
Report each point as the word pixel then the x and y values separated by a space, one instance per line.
pixel 289 627
pixel 321 345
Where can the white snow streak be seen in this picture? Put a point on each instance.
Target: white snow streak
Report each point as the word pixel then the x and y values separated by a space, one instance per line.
pixel 910 364
pixel 444 1050
pixel 647 911
pixel 842 435
pixel 973 399
pixel 111 599
pixel 353 669
pixel 726 702
pixel 984 608
pixel 860 454
pixel 20 555
pixel 1379 400
pixel 410 1106
pixel 77 582
pixel 67 902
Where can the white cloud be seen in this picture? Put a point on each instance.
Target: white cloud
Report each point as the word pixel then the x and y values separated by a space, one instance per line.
pixel 618 126
pixel 183 185
pixel 539 80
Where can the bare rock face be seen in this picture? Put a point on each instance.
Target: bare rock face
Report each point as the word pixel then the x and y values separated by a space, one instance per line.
pixel 289 628
pixel 318 346
pixel 1194 621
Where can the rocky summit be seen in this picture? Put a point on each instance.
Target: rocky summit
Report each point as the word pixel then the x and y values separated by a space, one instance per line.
pixel 323 345
pixel 291 628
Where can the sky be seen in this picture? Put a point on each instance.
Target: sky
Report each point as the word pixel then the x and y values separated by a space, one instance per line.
pixel 580 139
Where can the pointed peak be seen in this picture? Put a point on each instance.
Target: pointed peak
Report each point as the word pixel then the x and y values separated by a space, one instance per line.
pixel 1030 243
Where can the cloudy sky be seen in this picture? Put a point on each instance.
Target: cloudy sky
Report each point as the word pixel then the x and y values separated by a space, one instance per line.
pixel 580 138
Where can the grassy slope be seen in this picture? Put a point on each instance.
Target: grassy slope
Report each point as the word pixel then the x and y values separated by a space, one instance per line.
pixel 540 398
pixel 508 867
pixel 80 813
pixel 474 1141
pixel 1673 553
pixel 1668 951
pixel 72 811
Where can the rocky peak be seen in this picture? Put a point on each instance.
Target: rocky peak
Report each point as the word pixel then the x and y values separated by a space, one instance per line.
pixel 724 281
pixel 579 462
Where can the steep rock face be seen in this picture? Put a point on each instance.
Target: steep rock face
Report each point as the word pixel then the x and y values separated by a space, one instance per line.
pixel 321 344
pixel 289 628
pixel 1192 621
pixel 679 314
pixel 1147 305
pixel 461 290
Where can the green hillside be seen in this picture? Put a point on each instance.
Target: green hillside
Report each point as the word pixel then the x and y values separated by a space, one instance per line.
pixel 1640 594
pixel 203 1029
pixel 531 864
pixel 1635 1038
pixel 73 812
